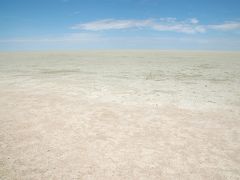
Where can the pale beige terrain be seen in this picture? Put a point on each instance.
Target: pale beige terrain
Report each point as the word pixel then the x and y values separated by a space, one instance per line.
pixel 120 115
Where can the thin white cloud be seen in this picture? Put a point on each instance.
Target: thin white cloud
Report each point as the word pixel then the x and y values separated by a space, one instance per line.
pixel 189 26
pixel 227 26
pixel 108 24
pixel 163 24
pixel 194 21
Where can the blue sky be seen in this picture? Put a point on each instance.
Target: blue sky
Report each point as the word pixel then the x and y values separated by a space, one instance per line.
pixel 119 24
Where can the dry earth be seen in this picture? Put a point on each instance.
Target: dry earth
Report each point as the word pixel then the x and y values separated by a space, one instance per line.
pixel 120 115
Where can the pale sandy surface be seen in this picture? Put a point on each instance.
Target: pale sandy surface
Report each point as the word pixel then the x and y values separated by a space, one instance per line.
pixel 120 115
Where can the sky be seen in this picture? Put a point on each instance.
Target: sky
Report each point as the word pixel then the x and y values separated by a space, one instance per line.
pixel 119 24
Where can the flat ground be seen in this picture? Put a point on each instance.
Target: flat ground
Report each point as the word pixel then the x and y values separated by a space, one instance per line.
pixel 120 115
